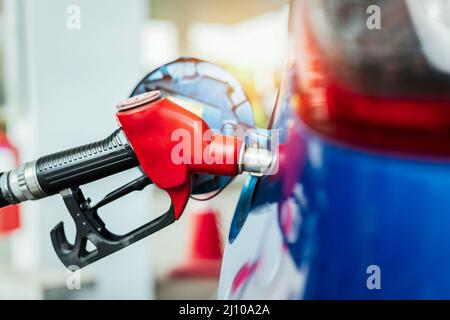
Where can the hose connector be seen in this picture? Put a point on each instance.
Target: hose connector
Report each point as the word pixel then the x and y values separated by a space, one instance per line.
pixel 258 154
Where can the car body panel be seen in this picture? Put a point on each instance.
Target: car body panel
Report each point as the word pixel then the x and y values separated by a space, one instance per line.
pixel 315 228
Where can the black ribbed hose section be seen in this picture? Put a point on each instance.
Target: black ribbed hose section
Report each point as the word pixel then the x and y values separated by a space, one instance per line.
pixel 81 165
pixel 3 202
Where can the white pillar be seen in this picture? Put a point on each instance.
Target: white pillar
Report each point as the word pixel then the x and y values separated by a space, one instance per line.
pixel 62 85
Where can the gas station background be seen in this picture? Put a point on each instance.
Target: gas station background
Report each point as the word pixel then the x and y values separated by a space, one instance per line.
pixel 58 89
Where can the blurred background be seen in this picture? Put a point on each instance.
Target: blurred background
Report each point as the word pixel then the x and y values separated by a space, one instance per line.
pixel 64 65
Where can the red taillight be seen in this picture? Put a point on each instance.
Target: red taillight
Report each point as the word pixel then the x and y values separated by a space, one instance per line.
pixel 413 119
pixel 399 125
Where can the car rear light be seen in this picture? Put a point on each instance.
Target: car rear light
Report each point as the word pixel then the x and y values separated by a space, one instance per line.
pixel 371 88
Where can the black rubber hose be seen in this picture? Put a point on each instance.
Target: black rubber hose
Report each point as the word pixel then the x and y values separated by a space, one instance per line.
pixel 3 202
pixel 81 165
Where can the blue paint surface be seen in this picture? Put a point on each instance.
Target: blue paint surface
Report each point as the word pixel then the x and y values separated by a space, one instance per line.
pixel 364 209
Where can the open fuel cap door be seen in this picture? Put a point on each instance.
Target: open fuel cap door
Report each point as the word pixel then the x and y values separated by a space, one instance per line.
pixel 210 92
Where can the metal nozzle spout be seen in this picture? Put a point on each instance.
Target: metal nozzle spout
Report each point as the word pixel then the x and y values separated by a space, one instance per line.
pixel 257 161
pixel 258 154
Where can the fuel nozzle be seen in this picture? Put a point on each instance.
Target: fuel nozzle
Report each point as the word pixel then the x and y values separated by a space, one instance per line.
pixel 168 142
pixel 258 154
pixel 172 143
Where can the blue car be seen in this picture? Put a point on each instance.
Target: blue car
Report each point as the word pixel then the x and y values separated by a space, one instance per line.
pixel 360 205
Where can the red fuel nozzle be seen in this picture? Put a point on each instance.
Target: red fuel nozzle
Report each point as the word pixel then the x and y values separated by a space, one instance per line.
pixel 172 143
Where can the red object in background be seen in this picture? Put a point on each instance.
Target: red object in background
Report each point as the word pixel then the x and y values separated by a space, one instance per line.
pixel 205 248
pixel 9 216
